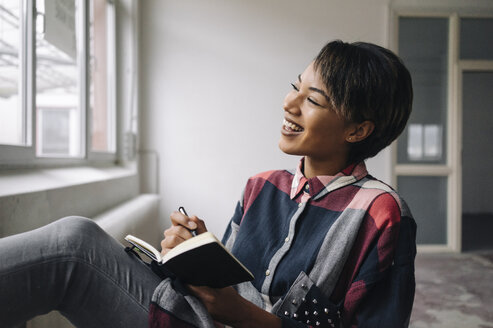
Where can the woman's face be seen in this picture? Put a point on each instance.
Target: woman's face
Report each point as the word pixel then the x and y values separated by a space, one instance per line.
pixel 311 126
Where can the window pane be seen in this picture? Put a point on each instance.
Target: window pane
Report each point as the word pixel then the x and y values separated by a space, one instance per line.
pixel 423 45
pixel 102 65
pixel 54 131
pixel 476 38
pixel 427 199
pixel 11 113
pixel 58 35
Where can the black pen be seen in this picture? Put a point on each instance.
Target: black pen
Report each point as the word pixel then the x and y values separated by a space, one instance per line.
pixel 182 211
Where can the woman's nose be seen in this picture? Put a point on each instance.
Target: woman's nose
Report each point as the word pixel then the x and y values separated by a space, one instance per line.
pixel 292 103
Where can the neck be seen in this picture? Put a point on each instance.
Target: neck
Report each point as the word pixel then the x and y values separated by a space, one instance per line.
pixel 314 167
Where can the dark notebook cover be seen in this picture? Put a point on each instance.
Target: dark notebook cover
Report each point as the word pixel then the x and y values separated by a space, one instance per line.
pixel 208 265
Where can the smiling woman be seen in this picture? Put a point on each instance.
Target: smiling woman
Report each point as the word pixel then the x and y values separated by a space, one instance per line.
pixel 348 104
pixel 328 244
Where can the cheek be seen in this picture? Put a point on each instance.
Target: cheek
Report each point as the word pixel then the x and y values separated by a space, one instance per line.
pixel 326 133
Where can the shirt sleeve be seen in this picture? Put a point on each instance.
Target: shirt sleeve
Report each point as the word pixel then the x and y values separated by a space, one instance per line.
pixel 382 292
pixel 229 236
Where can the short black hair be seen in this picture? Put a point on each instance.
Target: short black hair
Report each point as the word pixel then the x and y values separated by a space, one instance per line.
pixel 367 82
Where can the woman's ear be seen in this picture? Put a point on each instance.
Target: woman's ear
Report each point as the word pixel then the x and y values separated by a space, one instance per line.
pixel 360 131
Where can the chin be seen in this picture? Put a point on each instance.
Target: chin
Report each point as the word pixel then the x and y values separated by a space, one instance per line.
pixel 287 150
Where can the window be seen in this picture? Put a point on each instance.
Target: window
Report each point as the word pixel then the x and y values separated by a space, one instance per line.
pixel 423 46
pixel 58 79
pixel 57 82
pixel 441 157
pixel 476 38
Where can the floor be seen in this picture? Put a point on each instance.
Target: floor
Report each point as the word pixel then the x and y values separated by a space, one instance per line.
pixel 454 290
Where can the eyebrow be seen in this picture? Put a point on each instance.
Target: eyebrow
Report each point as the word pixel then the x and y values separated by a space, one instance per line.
pixel 316 90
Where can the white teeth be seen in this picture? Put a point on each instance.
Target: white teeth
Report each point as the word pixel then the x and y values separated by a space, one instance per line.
pixel 292 126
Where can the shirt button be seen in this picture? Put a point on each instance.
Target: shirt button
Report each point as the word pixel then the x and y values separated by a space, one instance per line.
pixel 267 272
pixel 300 204
pixel 287 239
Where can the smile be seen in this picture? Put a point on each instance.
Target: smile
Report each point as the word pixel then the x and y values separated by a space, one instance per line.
pixel 291 127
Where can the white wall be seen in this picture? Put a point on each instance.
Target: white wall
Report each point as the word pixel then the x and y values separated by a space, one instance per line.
pixel 213 77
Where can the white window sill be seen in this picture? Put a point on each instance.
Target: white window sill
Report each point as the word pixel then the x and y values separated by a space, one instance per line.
pixel 30 198
pixel 22 181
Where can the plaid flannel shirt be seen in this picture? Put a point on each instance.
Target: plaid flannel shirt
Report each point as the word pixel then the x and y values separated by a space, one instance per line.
pixel 284 225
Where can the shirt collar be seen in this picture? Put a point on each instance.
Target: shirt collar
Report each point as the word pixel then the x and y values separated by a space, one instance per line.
pixel 322 184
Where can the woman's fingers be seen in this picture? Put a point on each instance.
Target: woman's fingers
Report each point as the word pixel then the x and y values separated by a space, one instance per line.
pixel 178 218
pixel 173 236
pixel 200 224
pixel 190 222
pixel 181 230
pixel 177 231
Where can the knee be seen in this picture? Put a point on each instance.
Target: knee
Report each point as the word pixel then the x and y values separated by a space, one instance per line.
pixel 77 231
pixel 78 224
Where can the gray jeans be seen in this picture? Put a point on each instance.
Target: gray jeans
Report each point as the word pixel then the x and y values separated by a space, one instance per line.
pixel 74 267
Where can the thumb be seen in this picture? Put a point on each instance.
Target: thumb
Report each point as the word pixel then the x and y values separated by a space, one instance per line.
pixel 201 228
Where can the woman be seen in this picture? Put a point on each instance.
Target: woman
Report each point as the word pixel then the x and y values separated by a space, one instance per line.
pixel 329 245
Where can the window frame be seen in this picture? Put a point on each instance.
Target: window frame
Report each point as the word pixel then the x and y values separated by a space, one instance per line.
pixel 452 168
pixel 24 156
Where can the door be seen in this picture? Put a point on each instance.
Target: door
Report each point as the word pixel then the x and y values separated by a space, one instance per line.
pixel 477 160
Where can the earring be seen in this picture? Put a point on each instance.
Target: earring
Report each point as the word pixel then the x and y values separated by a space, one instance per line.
pixel 350 138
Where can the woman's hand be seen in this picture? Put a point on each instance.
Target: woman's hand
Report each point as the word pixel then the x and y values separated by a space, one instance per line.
pixel 180 230
pixel 225 305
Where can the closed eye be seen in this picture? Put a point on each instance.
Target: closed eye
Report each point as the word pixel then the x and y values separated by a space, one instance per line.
pixel 314 102
pixel 309 99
